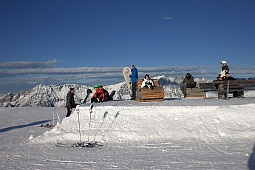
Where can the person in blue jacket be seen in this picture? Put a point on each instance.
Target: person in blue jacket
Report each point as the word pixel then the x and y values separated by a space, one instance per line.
pixel 134 77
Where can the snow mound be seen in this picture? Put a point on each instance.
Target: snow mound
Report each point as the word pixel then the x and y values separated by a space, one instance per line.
pixel 154 123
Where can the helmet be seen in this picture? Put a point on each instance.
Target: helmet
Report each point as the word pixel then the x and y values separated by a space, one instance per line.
pixel 96 86
pixel 223 62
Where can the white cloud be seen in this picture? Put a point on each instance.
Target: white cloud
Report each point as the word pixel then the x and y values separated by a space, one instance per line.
pixel 24 78
pixel 29 64
pixel 167 17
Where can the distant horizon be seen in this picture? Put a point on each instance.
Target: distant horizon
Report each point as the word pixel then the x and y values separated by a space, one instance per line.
pixel 19 76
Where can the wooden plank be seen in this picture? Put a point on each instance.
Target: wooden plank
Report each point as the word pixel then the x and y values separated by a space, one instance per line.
pixel 231 86
pixel 206 85
pixel 194 93
pixel 156 93
pixel 152 100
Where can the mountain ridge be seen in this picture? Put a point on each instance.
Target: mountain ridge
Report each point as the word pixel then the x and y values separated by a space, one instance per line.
pixel 55 96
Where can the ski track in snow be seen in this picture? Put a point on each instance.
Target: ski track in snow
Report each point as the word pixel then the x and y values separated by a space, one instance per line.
pixel 175 134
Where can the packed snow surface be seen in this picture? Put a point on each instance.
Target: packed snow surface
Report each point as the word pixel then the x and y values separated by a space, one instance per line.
pixel 174 134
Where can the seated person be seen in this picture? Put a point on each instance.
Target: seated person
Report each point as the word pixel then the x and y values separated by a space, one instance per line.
pixel 188 81
pixel 147 82
pixel 99 95
pixel 215 85
pixel 109 96
pixel 235 93
pixel 228 77
pixel 224 68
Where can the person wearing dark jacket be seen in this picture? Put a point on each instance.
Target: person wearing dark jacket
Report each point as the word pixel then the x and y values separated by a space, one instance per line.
pixel 70 103
pixel 134 77
pixel 228 77
pixel 188 82
pixel 235 93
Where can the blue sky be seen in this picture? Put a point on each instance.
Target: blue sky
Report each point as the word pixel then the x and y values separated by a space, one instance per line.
pixel 59 34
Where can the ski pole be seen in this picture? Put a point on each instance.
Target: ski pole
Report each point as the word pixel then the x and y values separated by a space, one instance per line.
pixel 90 112
pixel 78 113
pixel 116 115
pixel 53 117
pixel 105 114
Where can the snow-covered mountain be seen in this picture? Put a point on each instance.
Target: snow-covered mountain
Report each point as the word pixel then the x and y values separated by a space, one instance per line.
pixel 52 95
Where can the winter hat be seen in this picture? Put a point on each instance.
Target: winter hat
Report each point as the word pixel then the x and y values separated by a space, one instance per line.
pixel 188 74
pixel 89 91
pixel 96 86
pixel 223 62
pixel 146 75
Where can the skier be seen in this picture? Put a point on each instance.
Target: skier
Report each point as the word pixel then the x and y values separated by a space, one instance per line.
pixel 109 96
pixel 224 68
pixel 99 95
pixel 134 77
pixel 70 103
pixel 89 91
pixel 147 82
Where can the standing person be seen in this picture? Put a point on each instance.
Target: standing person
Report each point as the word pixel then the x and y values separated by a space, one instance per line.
pixel 70 103
pixel 134 77
pixel 224 68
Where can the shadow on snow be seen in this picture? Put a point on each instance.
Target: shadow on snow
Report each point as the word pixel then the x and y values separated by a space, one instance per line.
pixel 251 162
pixel 23 126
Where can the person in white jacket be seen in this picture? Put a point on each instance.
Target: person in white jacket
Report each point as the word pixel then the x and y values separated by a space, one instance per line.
pixel 224 69
pixel 147 82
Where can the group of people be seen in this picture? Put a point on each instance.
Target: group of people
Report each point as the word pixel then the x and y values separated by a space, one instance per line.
pixel 224 73
pixel 102 94
pixel 188 81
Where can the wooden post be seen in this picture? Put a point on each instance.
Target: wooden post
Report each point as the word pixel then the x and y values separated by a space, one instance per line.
pixel 227 89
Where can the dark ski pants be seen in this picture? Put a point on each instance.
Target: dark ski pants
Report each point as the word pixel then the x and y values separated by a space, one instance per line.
pixel 68 112
pixel 134 90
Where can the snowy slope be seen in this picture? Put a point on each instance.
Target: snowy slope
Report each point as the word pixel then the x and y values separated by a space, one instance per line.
pixel 174 134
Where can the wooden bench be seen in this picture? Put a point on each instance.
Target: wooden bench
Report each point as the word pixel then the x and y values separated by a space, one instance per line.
pixel 149 95
pixel 224 88
pixel 194 92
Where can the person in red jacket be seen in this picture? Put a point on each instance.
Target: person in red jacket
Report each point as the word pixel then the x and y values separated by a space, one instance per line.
pixel 99 95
